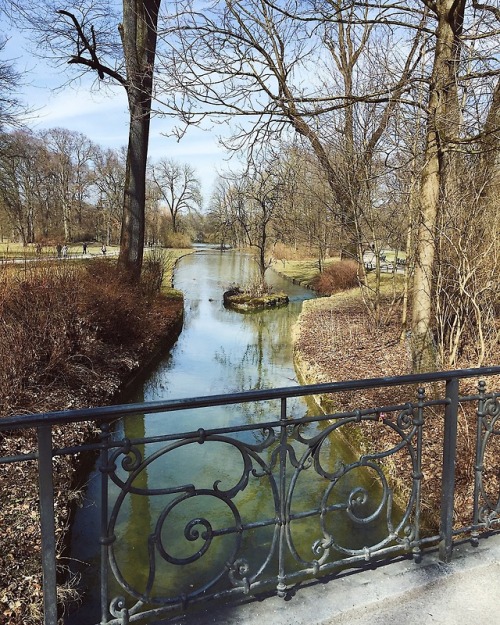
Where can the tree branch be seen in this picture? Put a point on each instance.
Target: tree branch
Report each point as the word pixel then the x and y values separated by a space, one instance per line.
pixel 90 47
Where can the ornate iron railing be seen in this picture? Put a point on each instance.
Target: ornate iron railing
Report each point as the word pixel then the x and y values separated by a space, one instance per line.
pixel 262 503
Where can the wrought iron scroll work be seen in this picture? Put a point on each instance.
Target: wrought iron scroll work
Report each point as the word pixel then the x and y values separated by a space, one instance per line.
pixel 325 547
pixel 302 454
pixel 236 568
pixel 488 512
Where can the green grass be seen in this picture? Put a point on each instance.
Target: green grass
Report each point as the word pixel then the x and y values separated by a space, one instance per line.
pixel 390 255
pixel 387 282
pixel 12 251
pixel 300 271
pixel 173 255
pixel 303 271
pixel 18 251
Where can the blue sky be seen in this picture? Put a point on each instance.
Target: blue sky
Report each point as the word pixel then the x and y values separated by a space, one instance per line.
pixel 103 116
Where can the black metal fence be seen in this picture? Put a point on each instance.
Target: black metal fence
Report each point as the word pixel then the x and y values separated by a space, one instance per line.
pixel 198 509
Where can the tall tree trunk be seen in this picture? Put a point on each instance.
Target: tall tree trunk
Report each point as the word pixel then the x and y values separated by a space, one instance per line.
pixel 139 35
pixel 132 232
pixel 66 213
pixel 443 124
pixel 490 149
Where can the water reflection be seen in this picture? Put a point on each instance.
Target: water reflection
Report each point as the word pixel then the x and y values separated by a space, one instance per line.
pixel 219 350
pixel 229 484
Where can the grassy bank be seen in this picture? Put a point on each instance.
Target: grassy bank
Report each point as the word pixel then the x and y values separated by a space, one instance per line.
pixel 300 272
pixel 11 251
pixel 336 339
pixel 71 335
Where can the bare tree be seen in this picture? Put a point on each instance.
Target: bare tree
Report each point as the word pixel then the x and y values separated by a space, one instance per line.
pixel 109 179
pixel 179 188
pixel 12 109
pixel 291 66
pixel 70 161
pixel 91 36
pixel 257 196
pixel 461 29
pixel 221 219
pixel 17 183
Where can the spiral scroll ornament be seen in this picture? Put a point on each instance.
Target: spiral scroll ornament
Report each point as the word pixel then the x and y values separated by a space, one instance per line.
pixel 190 522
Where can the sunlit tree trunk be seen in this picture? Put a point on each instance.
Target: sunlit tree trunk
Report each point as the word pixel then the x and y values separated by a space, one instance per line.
pixel 443 120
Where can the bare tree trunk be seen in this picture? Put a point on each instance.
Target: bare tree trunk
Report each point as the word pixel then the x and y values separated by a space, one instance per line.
pixel 139 35
pixel 442 121
pixel 490 146
pixel 66 212
pixel 132 233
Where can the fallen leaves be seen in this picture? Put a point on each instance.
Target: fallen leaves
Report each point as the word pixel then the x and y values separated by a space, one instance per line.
pixel 21 598
pixel 338 341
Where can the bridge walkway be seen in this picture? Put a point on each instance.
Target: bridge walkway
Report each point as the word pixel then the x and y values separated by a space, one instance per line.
pixel 464 592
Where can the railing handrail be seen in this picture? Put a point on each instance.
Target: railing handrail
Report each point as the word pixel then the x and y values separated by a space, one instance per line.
pixel 105 413
pixel 276 462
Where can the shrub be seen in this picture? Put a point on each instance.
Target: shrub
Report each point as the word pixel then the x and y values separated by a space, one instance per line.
pixel 338 276
pixel 157 263
pixel 62 321
pixel 177 240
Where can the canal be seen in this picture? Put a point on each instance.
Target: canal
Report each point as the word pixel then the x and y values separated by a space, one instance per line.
pixel 219 351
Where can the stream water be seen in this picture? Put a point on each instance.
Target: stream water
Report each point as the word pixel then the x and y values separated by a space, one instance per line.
pixel 219 351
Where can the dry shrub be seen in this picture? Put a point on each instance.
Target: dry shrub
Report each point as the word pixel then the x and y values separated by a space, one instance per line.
pixel 109 305
pixel 157 263
pixel 39 329
pixel 338 276
pixel 62 321
pixel 177 240
pixel 70 334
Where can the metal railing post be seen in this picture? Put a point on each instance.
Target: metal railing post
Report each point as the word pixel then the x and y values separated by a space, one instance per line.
pixel 47 524
pixel 418 475
pixel 449 461
pixel 283 520
pixel 478 466
pixel 105 541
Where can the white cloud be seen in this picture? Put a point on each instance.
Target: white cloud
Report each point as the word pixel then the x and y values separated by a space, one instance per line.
pixel 103 116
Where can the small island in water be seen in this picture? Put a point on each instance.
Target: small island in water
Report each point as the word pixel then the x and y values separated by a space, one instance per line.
pixel 252 298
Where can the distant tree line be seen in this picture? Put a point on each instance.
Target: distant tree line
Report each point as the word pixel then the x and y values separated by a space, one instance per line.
pixel 57 185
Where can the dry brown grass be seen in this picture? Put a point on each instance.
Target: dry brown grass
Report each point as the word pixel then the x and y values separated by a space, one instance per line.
pixel 336 340
pixel 70 335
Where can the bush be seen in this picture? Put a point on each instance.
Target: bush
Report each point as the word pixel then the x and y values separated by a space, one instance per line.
pixel 70 334
pixel 62 321
pixel 39 328
pixel 338 276
pixel 177 240
pixel 157 263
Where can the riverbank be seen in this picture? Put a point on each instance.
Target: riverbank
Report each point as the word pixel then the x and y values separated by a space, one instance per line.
pixel 335 339
pixel 78 344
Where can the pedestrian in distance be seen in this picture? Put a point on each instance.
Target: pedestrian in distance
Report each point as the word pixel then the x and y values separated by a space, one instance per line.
pixel 84 248
pixel 59 249
pixel 65 251
pixel 103 249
